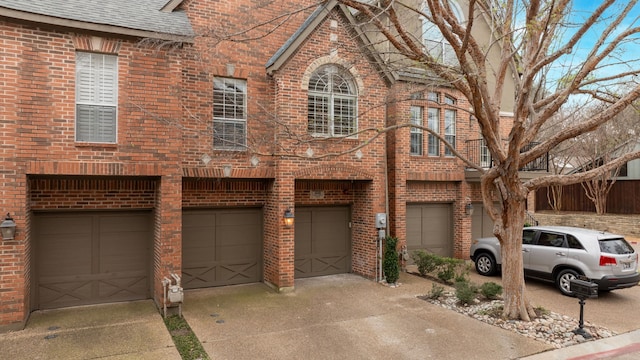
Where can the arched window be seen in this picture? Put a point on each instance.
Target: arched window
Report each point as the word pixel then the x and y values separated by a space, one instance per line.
pixel 433 40
pixel 333 99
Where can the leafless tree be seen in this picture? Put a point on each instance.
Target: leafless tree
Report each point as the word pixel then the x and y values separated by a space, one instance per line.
pixel 601 146
pixel 532 38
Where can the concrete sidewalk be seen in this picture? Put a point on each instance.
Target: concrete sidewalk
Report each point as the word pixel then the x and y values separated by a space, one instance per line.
pixel 621 347
pixel 120 331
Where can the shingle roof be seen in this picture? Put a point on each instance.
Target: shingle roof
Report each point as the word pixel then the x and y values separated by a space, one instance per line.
pixel 144 15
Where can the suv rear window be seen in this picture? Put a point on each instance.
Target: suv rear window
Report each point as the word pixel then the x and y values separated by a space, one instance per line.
pixel 615 246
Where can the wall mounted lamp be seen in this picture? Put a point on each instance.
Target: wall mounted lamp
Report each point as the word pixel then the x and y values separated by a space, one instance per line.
pixel 468 209
pixel 288 218
pixel 8 228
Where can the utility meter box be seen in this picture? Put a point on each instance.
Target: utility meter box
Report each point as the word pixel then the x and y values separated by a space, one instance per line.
pixel 583 289
pixel 381 221
pixel 175 294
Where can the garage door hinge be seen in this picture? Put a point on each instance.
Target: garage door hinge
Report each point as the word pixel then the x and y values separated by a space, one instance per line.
pixel 349 224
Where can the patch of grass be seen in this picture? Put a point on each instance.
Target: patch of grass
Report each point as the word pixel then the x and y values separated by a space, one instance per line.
pixel 185 340
pixel 495 312
pixel 540 311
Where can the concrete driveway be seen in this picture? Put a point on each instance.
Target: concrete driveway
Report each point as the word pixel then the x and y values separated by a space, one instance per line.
pixel 132 330
pixel 342 317
pixel 332 317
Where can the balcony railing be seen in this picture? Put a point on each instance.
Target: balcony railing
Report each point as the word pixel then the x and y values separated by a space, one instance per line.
pixel 478 153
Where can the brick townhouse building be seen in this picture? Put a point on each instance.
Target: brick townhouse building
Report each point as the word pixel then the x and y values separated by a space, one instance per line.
pixel 144 139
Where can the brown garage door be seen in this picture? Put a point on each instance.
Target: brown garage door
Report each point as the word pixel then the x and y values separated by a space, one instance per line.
pixel 221 247
pixel 481 223
pixel 430 228
pixel 89 258
pixel 322 241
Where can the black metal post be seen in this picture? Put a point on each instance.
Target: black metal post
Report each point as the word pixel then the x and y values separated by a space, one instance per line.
pixel 580 330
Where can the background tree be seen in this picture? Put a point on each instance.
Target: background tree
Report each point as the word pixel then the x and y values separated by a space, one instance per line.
pixel 572 54
pixel 601 146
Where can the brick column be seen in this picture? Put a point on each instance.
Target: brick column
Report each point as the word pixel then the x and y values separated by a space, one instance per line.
pixel 15 255
pixel 462 222
pixel 279 240
pixel 167 244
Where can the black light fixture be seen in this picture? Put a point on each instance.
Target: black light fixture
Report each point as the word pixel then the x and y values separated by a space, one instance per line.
pixel 8 228
pixel 288 218
pixel 469 208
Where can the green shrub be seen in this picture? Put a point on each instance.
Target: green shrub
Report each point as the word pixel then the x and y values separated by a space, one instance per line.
pixel 490 290
pixel 390 263
pixel 436 291
pixel 426 262
pixel 447 271
pixel 462 273
pixel 466 291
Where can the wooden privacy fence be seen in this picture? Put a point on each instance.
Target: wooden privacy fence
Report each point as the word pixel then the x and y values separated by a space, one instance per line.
pixel 624 198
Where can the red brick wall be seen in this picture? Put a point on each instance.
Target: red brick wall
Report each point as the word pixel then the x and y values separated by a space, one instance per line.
pixel 91 194
pixel 270 122
pixel 223 192
pixel 37 92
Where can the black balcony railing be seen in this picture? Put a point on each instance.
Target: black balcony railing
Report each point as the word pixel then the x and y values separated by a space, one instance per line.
pixel 478 153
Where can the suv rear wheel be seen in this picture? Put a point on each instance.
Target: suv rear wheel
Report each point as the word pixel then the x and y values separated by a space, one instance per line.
pixel 485 264
pixel 563 281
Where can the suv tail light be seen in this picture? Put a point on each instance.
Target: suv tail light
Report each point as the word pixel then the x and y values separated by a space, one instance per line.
pixel 607 260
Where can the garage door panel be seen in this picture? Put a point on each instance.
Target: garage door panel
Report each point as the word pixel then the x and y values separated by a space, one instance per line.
pixel 56 294
pixel 122 287
pixel 481 222
pixel 303 238
pixel 74 255
pixel 237 253
pixel 329 264
pixel 99 261
pixel 240 272
pixel 414 227
pixel 199 275
pixel 221 247
pixel 430 228
pixel 121 255
pixel 322 241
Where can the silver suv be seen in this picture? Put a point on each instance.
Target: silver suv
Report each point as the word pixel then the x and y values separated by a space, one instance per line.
pixel 561 254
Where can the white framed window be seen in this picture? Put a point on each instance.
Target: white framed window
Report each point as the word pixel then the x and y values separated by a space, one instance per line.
pixel 485 155
pixel 449 100
pixel 96 97
pixel 229 114
pixel 416 133
pixel 433 119
pixel 434 42
pixel 449 130
pixel 332 103
pixel 433 96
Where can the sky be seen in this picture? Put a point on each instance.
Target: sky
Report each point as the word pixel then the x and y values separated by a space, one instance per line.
pixel 630 52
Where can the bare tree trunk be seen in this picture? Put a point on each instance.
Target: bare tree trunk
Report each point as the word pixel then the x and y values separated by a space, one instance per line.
pixel 597 190
pixel 516 302
pixel 554 197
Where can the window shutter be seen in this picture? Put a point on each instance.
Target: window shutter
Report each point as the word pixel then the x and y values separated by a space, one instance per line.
pixel 96 97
